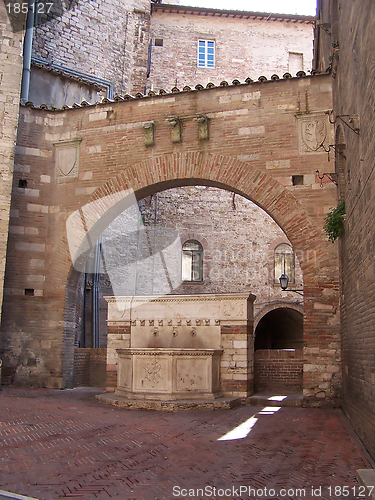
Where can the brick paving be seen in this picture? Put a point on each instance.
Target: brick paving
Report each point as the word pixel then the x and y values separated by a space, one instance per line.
pixel 67 444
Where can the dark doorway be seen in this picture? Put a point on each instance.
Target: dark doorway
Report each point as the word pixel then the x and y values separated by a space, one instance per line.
pixel 281 328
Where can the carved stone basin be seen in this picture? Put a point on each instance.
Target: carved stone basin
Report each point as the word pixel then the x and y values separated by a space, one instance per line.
pixel 168 374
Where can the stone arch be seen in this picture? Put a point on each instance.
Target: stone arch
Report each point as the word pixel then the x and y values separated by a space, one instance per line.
pixel 280 328
pixel 276 305
pixel 192 168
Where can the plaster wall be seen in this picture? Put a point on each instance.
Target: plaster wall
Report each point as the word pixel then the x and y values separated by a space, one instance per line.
pixel 244 47
pixel 55 91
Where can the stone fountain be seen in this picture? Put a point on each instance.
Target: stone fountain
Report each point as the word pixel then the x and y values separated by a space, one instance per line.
pixel 180 347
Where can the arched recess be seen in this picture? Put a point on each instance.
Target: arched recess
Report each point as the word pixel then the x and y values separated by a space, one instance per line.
pixel 183 169
pixel 276 305
pixel 280 328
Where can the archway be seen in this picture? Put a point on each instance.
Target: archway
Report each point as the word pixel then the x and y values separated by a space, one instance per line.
pixel 185 169
pixel 278 357
pixel 281 328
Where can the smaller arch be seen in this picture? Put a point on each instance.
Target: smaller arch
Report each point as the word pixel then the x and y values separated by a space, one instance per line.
pixel 280 328
pixel 192 261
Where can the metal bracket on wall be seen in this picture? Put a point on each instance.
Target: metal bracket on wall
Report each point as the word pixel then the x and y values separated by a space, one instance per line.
pixel 351 121
pixel 331 176
pixel 325 27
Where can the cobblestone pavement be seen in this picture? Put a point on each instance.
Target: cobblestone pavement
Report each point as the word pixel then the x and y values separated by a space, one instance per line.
pixel 66 444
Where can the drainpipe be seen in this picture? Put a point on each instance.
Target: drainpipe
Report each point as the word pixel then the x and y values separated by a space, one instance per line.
pixel 27 48
pixel 95 295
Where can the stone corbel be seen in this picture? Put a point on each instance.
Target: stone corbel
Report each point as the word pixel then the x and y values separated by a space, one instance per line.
pixel 149 131
pixel 203 127
pixel 176 128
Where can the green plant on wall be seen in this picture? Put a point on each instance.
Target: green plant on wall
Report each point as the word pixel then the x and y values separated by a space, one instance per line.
pixel 334 223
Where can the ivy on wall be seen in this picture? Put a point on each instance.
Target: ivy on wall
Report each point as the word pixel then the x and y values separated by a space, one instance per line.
pixel 334 222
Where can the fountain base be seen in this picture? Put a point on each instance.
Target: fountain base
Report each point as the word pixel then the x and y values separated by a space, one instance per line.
pixel 163 374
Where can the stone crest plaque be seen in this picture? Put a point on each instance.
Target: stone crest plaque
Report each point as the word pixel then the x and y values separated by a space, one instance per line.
pixel 314 133
pixel 67 159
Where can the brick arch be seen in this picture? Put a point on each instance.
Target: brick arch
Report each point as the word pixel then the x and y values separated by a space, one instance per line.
pixel 176 170
pixel 276 305
pixel 195 168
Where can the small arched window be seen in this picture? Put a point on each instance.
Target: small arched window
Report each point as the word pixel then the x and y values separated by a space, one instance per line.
pixel 284 262
pixel 192 261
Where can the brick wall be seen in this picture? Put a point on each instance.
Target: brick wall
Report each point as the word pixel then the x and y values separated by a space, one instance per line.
pixel 10 76
pixel 278 369
pixel 257 161
pixel 90 367
pixel 81 367
pixel 354 91
pixel 245 46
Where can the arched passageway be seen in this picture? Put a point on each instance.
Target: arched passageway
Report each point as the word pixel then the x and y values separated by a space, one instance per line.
pixel 260 162
pixel 281 328
pixel 278 357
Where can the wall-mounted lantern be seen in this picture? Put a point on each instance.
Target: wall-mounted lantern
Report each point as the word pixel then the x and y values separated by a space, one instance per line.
pixel 284 280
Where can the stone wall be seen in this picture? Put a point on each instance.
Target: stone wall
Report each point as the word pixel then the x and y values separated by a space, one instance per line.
pixel 106 39
pixel 245 46
pixel 10 79
pixel 354 90
pixel 238 239
pixel 111 40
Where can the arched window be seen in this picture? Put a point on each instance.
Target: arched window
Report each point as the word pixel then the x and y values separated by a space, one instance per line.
pixel 284 262
pixel 192 262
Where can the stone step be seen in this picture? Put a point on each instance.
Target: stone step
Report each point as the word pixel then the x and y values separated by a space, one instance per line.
pixel 147 404
pixel 275 399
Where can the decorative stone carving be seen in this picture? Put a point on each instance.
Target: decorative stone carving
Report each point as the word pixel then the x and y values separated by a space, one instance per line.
pixel 152 372
pixel 203 127
pixel 176 128
pixel 169 374
pixel 67 159
pixel 149 132
pixel 314 132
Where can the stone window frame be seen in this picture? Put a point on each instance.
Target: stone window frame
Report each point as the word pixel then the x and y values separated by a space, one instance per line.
pixel 286 268
pixel 188 255
pixel 205 64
